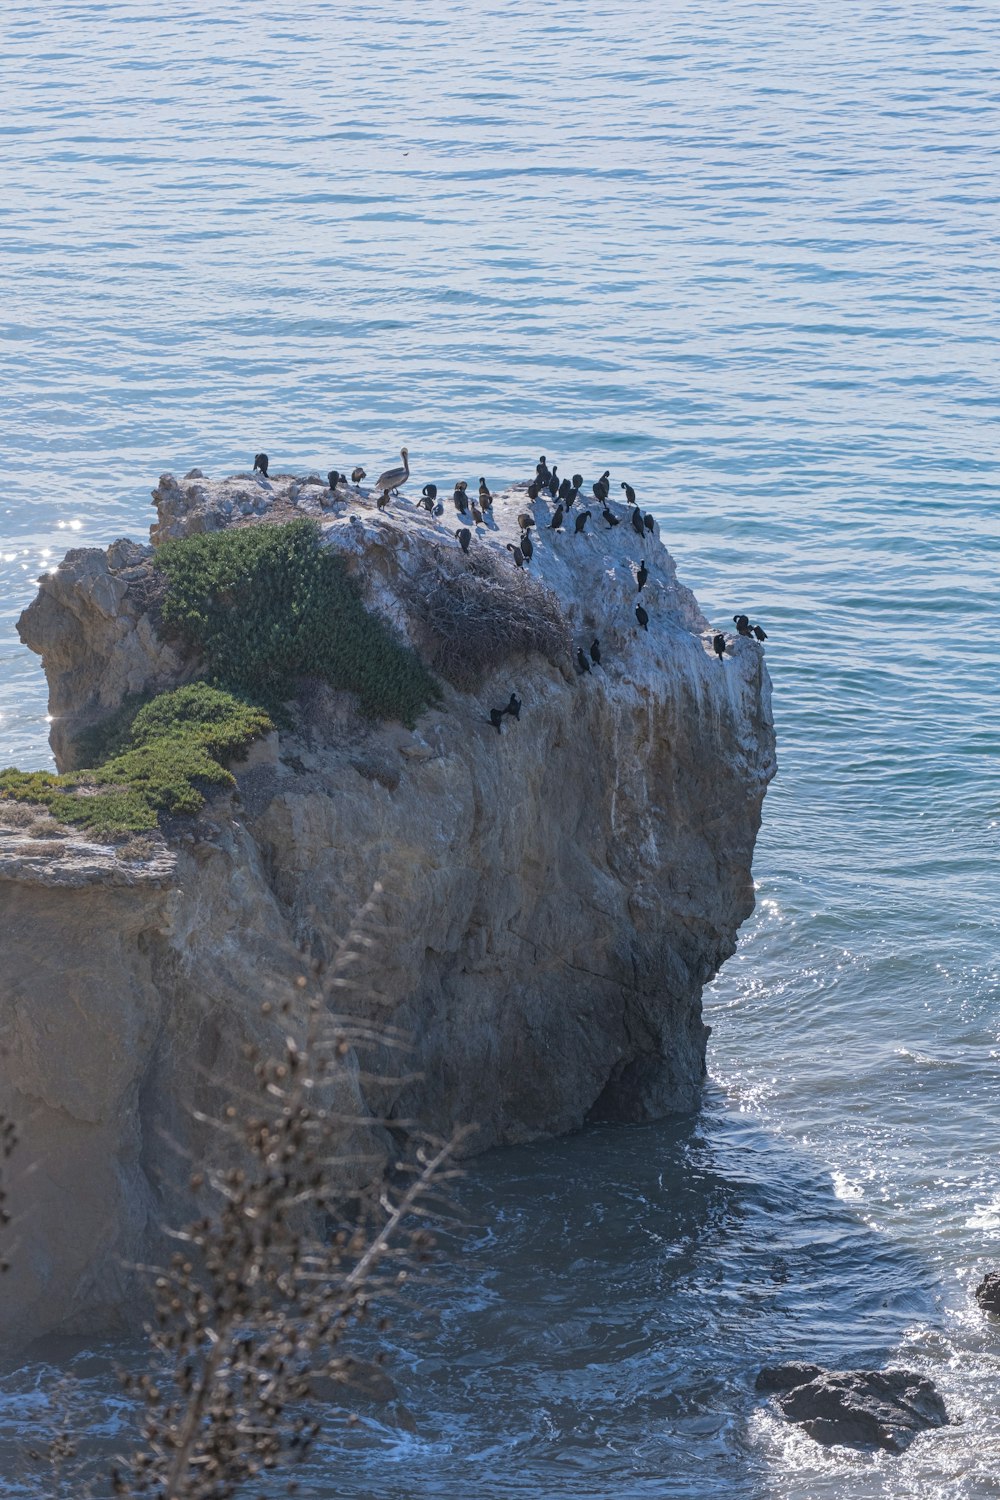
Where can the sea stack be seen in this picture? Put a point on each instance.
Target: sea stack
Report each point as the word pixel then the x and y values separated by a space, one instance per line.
pixel 554 896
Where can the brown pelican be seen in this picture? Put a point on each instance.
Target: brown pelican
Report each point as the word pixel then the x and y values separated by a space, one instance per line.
pixel 390 481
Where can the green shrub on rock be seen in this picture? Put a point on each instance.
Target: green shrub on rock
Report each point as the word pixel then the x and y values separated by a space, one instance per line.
pixel 265 605
pixel 172 750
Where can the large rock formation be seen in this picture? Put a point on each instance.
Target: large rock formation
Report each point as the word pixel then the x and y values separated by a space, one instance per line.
pixel 555 895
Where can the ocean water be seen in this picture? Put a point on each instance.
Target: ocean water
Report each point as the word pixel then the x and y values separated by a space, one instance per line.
pixel 745 256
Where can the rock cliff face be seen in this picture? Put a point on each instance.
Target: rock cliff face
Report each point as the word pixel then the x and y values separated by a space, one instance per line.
pixel 555 895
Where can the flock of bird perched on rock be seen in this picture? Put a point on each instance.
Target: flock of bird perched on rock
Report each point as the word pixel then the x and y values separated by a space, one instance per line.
pixel 565 493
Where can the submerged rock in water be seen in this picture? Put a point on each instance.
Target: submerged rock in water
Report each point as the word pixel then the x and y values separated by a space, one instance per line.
pixel 556 895
pixel 988 1292
pixel 856 1408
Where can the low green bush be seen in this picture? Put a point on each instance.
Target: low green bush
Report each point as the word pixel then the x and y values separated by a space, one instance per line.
pixel 265 605
pixel 170 752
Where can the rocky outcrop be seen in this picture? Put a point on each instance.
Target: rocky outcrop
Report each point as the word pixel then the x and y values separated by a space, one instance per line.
pixel 988 1292
pixel 555 895
pixel 94 618
pixel 855 1408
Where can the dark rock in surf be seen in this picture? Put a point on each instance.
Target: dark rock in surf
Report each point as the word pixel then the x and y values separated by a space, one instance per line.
pixel 988 1292
pixel 863 1409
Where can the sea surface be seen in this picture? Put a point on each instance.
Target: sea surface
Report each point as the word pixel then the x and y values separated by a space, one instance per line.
pixel 744 255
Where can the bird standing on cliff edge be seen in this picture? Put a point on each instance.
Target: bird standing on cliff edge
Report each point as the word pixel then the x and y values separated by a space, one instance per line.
pixel 719 645
pixel 390 481
pixel 260 463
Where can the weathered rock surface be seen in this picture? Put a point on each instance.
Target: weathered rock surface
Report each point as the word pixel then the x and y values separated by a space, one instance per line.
pixel 856 1408
pixel 988 1292
pixel 555 896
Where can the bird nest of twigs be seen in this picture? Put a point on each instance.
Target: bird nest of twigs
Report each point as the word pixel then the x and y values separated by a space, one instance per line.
pixel 476 613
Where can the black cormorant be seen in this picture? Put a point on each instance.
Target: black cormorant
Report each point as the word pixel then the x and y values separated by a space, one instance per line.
pixel 557 518
pixel 516 554
pixel 642 616
pixel 648 522
pixel 581 521
pixel 642 575
pixel 629 492
pixel 260 462
pixel 637 525
pixel 464 536
pixel 583 665
pixel 595 651
pixel 496 718
pixel 610 517
pixel 514 707
pixel 760 632
pixel 719 645
pixel 527 549
pixel 357 474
